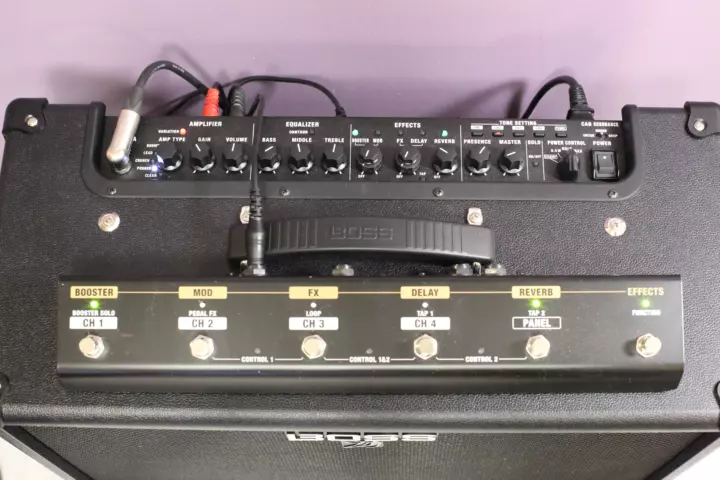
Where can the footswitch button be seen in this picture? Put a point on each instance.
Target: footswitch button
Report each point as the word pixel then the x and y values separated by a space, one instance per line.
pixel 604 165
pixel 425 347
pixel 313 346
pixel 538 347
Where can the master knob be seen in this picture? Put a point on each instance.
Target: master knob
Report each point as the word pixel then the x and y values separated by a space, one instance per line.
pixel 334 158
pixel 478 160
pixel 301 160
pixel 568 165
pixel 202 157
pixel 168 157
pixel 369 159
pixel 408 160
pixel 512 161
pixel 235 157
pixel 445 160
pixel 268 157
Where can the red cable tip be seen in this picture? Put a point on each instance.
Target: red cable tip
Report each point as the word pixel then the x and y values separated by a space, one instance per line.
pixel 212 103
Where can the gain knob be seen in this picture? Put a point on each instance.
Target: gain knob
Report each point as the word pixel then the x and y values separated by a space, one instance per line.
pixel 445 160
pixel 568 165
pixel 334 158
pixel 369 159
pixel 478 160
pixel 408 160
pixel 268 157
pixel 168 157
pixel 301 160
pixel 235 157
pixel 202 157
pixel 512 161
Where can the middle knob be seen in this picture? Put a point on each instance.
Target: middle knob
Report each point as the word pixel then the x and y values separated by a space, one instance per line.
pixel 301 158
pixel 408 160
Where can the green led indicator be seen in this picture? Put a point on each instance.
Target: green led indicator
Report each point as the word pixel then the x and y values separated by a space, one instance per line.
pixel 94 304
pixel 535 303
pixel 645 303
pixel 355 132
pixel 444 133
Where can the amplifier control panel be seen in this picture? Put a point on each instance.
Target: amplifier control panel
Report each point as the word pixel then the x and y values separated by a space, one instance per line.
pixel 380 158
pixel 373 335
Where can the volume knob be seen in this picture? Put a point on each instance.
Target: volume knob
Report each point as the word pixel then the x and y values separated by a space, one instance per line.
pixel 202 157
pixel 408 160
pixel 235 158
pixel 512 161
pixel 370 159
pixel 301 160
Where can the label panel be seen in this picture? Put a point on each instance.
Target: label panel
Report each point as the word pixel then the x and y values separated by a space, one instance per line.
pixel 202 292
pixel 536 291
pixel 313 323
pixel 425 292
pixel 306 293
pixel 202 323
pixel 537 323
pixel 93 292
pixel 425 323
pixel 93 323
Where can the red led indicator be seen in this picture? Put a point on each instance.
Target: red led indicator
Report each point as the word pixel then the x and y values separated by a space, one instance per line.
pixel 183 131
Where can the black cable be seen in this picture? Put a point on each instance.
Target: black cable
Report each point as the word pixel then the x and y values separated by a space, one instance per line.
pixel 183 101
pixel 135 99
pixel 255 232
pixel 579 108
pixel 224 102
pixel 253 106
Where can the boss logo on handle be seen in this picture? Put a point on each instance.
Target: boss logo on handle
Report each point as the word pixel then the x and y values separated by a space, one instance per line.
pixel 339 232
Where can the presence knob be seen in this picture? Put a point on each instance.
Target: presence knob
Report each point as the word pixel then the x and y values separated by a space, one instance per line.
pixel 301 159
pixel 445 160
pixel 512 161
pixel 478 160
pixel 334 158
pixel 408 160
pixel 370 159
pixel 568 165
pixel 202 157
pixel 168 156
pixel 235 157
pixel 269 157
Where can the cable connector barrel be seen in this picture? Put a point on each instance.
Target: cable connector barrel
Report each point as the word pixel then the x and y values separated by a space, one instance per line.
pixel 118 153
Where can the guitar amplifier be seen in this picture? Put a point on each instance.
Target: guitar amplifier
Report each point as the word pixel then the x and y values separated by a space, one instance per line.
pixel 128 351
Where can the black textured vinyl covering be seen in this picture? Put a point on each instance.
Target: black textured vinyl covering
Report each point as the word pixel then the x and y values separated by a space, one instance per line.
pixel 111 454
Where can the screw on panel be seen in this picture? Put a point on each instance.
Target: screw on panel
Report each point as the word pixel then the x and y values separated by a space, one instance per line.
pixel 92 346
pixel 463 270
pixel 31 121
pixel 700 124
pixel 343 270
pixel 615 226
pixel 284 192
pixel 475 216
pixel 612 194
pixel 112 191
pixel 438 192
pixel 495 269
pixel 109 222
pixel 245 214
pixel 648 345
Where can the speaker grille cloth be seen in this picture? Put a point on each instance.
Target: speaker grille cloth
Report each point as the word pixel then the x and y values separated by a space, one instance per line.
pixel 119 454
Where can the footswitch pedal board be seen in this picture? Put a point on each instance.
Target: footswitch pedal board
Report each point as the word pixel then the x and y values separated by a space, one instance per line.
pixel 384 335
pixel 381 158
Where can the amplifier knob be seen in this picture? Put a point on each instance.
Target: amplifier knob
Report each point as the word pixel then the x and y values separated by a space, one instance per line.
pixel 301 159
pixel 235 157
pixel 568 165
pixel 369 159
pixel 269 157
pixel 202 347
pixel 512 161
pixel 168 156
pixel 425 347
pixel 538 347
pixel 313 346
pixel 202 157
pixel 445 160
pixel 334 159
pixel 478 160
pixel 408 160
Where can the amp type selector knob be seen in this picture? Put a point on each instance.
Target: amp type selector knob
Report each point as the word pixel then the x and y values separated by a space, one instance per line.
pixel 168 156
pixel 202 157
pixel 235 157
pixel 268 157
pixel 568 166
pixel 512 161
pixel 301 158
pixel 478 160
pixel 408 160
pixel 369 159
pixel 334 159
pixel 445 160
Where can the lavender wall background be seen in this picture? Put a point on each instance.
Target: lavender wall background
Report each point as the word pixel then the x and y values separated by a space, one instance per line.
pixel 390 57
